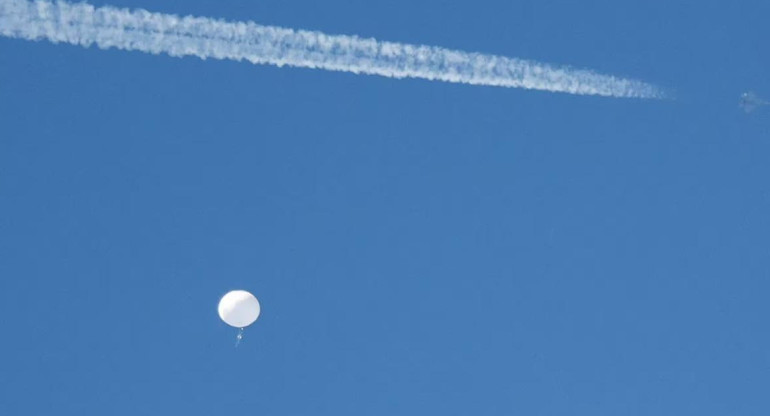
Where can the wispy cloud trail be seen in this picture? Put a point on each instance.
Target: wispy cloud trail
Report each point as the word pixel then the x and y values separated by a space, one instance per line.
pixel 140 30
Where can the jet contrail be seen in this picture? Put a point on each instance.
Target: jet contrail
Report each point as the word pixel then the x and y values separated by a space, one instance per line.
pixel 140 30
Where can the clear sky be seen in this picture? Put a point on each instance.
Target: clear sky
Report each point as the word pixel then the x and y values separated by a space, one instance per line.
pixel 419 248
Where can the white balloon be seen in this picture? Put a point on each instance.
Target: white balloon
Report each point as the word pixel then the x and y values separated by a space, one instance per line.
pixel 239 308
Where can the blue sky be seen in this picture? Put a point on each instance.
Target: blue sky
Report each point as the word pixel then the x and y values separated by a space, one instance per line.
pixel 417 247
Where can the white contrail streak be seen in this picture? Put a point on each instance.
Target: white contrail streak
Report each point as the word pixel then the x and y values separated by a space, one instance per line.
pixel 140 30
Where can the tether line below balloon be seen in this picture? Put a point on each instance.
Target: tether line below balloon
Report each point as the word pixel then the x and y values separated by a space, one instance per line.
pixel 239 337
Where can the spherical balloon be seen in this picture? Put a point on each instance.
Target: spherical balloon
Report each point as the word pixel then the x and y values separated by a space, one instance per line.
pixel 239 308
